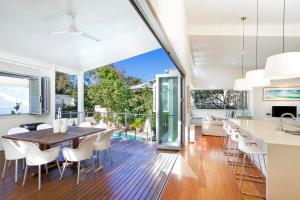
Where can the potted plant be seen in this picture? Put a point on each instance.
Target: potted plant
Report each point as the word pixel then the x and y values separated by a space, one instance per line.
pixel 98 117
pixel 16 108
pixel 137 124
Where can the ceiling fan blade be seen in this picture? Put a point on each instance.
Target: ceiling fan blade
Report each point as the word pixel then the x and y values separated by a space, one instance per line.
pixel 59 32
pixel 90 36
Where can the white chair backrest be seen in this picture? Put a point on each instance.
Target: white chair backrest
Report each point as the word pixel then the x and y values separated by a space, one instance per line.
pixel 17 131
pixel 102 125
pixel 85 124
pixel 85 148
pixel 13 150
pixel 35 156
pixel 105 139
pixel 43 126
pixel 235 136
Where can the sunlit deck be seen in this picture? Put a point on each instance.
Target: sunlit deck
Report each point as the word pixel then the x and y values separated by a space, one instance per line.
pixel 139 171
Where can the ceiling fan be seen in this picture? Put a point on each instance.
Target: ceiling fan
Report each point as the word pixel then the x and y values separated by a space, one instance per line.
pixel 73 29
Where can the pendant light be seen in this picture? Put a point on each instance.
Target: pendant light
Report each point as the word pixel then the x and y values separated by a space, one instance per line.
pixel 284 65
pixel 255 78
pixel 240 84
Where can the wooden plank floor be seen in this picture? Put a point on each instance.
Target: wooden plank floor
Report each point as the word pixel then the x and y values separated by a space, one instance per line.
pixel 139 171
pixel 201 173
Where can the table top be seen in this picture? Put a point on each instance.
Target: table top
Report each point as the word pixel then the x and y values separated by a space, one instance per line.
pixel 267 131
pixel 47 136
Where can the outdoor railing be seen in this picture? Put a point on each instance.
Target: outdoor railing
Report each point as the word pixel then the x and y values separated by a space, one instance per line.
pixel 128 125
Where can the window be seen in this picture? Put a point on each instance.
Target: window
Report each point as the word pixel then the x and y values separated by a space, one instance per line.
pixel 220 99
pixel 19 94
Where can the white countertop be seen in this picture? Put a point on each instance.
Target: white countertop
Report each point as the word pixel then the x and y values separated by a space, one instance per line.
pixel 266 131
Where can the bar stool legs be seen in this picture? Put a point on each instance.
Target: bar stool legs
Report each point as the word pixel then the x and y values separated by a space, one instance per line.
pixel 242 174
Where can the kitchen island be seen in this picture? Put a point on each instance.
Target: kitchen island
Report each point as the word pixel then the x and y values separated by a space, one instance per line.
pixel 283 159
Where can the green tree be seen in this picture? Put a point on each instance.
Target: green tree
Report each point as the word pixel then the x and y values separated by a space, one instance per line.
pixel 110 88
pixel 131 81
pixel 111 91
pixel 141 101
pixel 66 85
pixel 62 84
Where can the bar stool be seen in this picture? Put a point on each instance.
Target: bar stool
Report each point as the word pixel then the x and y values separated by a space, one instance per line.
pixel 236 136
pixel 250 149
pixel 231 143
pixel 224 137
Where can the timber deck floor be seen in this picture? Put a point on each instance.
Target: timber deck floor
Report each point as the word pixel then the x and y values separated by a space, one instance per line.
pixel 139 171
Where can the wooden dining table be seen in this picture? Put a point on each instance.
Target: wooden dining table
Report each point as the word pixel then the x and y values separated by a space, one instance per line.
pixel 46 138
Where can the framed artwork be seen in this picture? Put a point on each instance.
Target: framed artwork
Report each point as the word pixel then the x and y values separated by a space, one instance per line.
pixel 220 99
pixel 281 94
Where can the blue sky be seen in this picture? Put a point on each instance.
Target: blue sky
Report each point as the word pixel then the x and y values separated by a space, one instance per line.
pixel 146 65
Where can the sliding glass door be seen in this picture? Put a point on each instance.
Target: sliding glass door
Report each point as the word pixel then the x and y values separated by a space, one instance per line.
pixel 168 112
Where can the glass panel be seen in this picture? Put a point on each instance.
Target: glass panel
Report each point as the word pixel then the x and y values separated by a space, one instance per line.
pixel 14 94
pixel 168 111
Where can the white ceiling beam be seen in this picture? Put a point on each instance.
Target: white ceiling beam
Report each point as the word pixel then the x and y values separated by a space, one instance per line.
pixel 250 30
pixel 22 61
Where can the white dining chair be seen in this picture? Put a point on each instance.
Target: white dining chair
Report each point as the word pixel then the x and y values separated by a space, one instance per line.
pixel 17 130
pixel 43 126
pixel 85 124
pixel 83 152
pixel 13 131
pixel 102 125
pixel 37 157
pixel 103 144
pixel 13 150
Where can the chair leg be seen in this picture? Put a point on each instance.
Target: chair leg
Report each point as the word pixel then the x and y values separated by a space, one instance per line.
pixel 242 173
pixel 264 159
pixel 46 168
pixel 40 177
pixel 23 163
pixel 98 152
pixel 63 170
pixel 57 163
pixel 25 175
pixel 110 156
pixel 4 168
pixel 78 172
pixel 236 161
pixel 259 164
pixel 9 162
pixel 94 167
pixel 99 158
pixel 16 171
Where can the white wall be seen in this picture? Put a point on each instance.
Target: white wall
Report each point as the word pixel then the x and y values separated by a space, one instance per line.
pixel 259 107
pixel 216 77
pixel 7 122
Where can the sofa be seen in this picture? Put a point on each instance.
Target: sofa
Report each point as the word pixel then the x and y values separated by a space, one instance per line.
pixel 212 126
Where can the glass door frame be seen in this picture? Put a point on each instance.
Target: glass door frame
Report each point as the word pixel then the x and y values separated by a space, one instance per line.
pixel 158 93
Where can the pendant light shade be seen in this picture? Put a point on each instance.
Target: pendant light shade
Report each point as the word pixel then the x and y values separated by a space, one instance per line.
pixel 283 66
pixel 241 85
pixel 255 78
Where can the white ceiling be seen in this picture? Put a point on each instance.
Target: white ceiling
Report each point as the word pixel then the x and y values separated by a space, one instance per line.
pixel 215 30
pixel 225 51
pixel 25 26
pixel 220 12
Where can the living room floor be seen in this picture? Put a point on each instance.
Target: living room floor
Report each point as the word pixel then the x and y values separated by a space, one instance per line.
pixel 200 172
